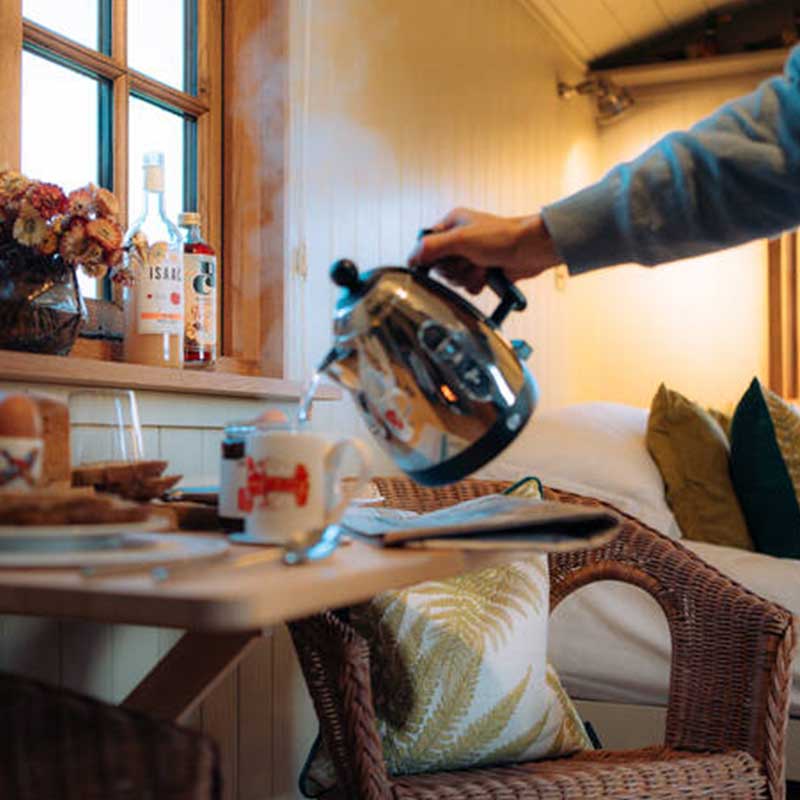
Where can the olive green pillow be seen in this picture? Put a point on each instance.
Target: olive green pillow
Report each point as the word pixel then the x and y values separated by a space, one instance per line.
pixel 692 454
pixel 765 467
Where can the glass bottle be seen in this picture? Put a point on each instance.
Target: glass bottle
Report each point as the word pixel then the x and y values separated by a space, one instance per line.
pixel 200 292
pixel 154 304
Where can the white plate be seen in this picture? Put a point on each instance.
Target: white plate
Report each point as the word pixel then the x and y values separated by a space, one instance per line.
pixel 154 523
pixel 133 549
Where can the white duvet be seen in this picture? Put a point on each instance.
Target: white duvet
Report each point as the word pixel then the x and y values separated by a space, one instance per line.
pixel 610 641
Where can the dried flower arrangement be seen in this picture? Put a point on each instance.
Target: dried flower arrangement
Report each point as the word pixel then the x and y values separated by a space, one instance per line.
pixel 38 220
pixel 45 237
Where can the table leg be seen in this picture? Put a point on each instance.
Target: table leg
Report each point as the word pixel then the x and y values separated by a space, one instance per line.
pixel 181 680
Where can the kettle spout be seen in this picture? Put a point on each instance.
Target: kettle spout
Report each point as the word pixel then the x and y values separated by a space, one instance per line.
pixel 340 364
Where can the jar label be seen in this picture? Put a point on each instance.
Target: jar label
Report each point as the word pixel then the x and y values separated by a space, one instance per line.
pixel 159 292
pixel 233 479
pixel 200 282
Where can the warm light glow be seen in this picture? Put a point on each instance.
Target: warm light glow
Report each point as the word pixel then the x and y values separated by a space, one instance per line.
pixel 448 393
pixel 579 165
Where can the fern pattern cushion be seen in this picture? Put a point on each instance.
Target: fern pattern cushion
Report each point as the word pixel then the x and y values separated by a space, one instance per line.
pixel 460 673
pixel 765 469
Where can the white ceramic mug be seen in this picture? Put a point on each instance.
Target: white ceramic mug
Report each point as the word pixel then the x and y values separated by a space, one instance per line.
pixel 294 487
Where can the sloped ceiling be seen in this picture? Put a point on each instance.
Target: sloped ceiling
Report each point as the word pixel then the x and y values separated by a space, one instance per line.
pixel 591 29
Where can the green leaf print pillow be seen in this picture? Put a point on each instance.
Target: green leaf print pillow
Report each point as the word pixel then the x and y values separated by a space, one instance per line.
pixel 460 674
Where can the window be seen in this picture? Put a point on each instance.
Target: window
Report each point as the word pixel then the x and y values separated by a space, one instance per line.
pixel 89 85
pixel 125 75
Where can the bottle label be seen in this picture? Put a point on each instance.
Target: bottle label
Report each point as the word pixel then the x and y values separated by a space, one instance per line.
pixel 159 292
pixel 200 282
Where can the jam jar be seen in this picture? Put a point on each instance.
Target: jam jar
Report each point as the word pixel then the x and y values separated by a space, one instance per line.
pixel 233 474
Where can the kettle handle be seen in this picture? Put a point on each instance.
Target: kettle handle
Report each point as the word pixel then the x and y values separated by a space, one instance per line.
pixel 511 298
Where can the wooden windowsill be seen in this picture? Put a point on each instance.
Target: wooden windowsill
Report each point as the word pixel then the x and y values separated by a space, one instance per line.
pixel 33 368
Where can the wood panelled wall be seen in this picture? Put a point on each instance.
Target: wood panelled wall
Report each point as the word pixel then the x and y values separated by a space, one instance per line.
pixel 699 325
pixel 401 111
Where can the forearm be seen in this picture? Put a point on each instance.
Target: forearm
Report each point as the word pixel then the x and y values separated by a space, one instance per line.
pixel 733 177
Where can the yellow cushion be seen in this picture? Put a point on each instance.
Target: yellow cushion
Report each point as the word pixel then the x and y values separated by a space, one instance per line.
pixel 693 456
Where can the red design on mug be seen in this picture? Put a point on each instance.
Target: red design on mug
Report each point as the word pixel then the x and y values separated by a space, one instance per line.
pixel 394 419
pixel 261 484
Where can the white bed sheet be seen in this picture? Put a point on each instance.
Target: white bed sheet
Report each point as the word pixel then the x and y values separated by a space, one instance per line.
pixel 609 641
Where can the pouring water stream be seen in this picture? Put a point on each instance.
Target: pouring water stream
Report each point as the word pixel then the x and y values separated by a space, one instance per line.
pixel 303 412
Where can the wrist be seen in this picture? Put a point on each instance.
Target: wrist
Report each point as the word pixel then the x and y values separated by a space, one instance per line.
pixel 535 250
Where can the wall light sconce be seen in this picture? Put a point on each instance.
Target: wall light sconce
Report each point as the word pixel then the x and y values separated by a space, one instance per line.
pixel 612 101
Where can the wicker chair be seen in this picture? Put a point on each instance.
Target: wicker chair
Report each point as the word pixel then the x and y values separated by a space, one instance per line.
pixel 55 743
pixel 728 699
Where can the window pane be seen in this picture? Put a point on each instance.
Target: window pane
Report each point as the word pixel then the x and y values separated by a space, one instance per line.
pixel 65 154
pixel 153 128
pixel 156 42
pixel 77 19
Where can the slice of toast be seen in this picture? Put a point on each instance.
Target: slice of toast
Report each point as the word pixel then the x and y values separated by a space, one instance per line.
pixel 67 508
pixel 111 473
pixel 144 489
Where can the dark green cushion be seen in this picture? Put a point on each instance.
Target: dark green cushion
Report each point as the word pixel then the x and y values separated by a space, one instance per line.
pixel 765 443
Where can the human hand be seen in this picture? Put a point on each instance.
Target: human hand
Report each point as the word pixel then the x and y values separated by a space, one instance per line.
pixel 466 243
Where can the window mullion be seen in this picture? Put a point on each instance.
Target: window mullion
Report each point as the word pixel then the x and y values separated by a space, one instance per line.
pixel 11 83
pixel 119 31
pixel 119 53
pixel 209 133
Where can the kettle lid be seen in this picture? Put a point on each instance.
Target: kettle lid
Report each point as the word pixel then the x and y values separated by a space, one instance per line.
pixel 344 273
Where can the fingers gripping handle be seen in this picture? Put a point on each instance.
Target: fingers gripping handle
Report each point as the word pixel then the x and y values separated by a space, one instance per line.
pixel 511 298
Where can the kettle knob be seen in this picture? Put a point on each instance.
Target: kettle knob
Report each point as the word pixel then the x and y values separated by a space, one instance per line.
pixel 344 273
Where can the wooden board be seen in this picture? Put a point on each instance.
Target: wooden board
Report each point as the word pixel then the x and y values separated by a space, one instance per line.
pixel 33 368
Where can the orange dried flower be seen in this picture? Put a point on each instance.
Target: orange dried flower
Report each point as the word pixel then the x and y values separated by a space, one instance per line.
pixel 106 203
pixel 105 232
pixel 29 228
pixel 74 243
pixel 13 186
pixel 80 202
pixel 47 199
pixel 92 260
pixel 123 276
pixel 49 244
pixel 114 258
pixel 60 223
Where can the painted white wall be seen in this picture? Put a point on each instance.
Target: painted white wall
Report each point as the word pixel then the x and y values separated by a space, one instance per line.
pixel 698 325
pixel 401 111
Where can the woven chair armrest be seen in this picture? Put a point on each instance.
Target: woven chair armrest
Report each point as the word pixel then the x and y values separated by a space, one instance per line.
pixel 732 650
pixel 335 663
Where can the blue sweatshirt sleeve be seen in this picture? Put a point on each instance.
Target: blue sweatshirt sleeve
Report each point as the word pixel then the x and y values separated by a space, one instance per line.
pixel 731 178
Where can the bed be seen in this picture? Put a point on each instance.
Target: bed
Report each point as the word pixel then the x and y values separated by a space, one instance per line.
pixel 598 449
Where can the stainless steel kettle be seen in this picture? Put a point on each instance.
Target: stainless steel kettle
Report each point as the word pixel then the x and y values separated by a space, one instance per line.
pixel 436 382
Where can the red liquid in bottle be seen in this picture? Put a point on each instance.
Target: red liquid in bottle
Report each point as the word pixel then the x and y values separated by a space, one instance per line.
pixel 200 282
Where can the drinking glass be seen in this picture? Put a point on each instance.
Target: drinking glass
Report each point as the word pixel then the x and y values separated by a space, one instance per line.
pixel 104 426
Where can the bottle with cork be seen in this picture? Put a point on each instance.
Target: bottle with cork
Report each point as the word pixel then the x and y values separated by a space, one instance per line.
pixel 200 291
pixel 154 304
